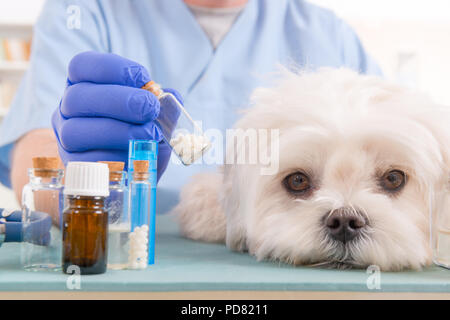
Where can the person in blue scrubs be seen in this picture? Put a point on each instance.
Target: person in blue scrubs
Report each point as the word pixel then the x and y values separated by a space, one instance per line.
pixel 212 52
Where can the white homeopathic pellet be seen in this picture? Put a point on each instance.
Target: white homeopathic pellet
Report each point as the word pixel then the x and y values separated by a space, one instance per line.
pixel 189 147
pixel 138 252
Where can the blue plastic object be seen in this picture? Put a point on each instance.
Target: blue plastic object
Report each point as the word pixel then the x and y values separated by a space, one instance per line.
pixel 144 150
pixel 144 195
pixel 141 207
pixel 37 232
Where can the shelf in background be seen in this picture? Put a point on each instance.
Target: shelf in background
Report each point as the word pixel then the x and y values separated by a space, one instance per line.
pixel 16 30
pixel 12 70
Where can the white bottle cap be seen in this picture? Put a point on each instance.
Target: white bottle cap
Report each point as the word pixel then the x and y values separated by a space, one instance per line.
pixel 87 179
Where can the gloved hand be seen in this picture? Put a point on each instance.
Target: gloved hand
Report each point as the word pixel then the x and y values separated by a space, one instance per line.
pixel 36 230
pixel 103 108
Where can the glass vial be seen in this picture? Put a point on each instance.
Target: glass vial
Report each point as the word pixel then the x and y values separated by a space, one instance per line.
pixel 41 244
pixel 85 218
pixel 440 229
pixel 118 218
pixel 142 237
pixel 179 130
pixel 146 150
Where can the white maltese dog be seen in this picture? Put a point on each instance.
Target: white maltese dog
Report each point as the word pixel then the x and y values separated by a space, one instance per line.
pixel 359 162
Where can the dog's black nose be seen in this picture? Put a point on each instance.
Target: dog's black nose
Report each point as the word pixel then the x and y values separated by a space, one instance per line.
pixel 343 224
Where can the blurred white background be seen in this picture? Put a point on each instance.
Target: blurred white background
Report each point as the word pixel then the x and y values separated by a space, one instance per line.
pixel 410 39
pixel 20 11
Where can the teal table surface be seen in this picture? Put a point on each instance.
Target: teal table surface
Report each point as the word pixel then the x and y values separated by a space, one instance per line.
pixel 185 265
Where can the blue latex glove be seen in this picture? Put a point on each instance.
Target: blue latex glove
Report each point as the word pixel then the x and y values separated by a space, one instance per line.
pixel 37 231
pixel 103 108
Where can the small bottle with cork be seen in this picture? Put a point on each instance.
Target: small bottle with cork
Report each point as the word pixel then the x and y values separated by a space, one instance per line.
pixel 119 220
pixel 41 243
pixel 142 237
pixel 85 218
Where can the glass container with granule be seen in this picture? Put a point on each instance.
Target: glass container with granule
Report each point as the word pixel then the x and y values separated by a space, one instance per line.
pixel 119 218
pixel 180 131
pixel 142 237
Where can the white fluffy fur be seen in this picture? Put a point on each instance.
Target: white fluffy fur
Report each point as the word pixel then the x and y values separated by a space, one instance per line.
pixel 344 129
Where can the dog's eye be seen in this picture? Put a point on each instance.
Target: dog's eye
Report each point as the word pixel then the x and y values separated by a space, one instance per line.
pixel 393 180
pixel 297 182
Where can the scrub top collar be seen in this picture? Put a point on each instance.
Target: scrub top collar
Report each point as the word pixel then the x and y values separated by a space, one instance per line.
pixel 247 14
pixel 194 36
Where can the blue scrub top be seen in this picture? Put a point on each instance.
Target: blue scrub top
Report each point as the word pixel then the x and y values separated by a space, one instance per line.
pixel 165 37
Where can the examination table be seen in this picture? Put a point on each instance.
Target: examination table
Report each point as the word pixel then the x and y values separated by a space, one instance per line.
pixel 187 269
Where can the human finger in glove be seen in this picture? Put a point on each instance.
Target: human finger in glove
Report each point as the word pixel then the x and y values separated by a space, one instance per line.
pixel 103 107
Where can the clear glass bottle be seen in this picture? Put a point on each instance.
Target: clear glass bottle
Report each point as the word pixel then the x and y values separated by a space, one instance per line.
pixel 440 228
pixel 85 218
pixel 41 244
pixel 142 237
pixel 119 219
pixel 146 150
pixel 180 131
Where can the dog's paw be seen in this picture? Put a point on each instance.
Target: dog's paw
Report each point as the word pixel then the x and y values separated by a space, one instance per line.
pixel 199 214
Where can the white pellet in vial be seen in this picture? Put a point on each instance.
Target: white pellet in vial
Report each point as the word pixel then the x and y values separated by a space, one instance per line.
pixel 138 250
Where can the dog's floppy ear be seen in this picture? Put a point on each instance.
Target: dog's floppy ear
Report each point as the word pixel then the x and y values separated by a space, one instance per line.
pixel 437 120
pixel 421 109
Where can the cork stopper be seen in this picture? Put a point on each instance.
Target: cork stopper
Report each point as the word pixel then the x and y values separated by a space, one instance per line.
pixel 140 169
pixel 45 166
pixel 115 169
pixel 140 166
pixel 153 87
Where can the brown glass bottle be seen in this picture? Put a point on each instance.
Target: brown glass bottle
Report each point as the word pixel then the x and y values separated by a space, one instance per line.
pixel 85 218
pixel 85 234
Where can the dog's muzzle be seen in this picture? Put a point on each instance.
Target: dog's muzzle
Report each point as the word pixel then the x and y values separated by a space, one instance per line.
pixel 344 224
